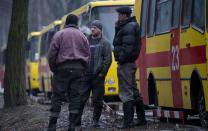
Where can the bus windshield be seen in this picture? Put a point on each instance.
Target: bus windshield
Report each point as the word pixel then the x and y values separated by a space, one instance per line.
pixel 108 16
pixel 34 55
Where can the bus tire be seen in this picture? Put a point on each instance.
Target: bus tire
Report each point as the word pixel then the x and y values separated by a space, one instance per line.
pixel 203 115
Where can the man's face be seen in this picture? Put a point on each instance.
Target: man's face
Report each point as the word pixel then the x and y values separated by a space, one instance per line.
pixel 95 31
pixel 122 17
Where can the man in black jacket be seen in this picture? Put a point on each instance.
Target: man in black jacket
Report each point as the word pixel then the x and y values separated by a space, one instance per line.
pixel 126 50
pixel 100 61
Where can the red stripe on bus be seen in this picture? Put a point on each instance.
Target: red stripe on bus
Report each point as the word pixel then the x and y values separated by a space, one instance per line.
pixel 160 59
pixel 193 55
pixel 187 56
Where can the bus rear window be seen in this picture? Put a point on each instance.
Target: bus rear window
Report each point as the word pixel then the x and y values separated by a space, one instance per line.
pixel 34 55
pixel 198 14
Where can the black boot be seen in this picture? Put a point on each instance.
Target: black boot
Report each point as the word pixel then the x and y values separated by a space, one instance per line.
pixel 140 113
pixel 72 118
pixel 52 124
pixel 96 115
pixel 79 116
pixel 128 109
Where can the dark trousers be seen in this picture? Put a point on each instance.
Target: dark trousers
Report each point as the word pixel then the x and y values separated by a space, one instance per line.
pixel 96 85
pixel 66 80
pixel 128 91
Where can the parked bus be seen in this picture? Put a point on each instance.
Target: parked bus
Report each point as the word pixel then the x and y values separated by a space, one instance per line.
pixel 32 62
pixel 173 59
pixel 87 13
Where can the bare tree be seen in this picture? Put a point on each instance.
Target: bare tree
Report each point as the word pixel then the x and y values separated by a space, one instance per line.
pixel 15 82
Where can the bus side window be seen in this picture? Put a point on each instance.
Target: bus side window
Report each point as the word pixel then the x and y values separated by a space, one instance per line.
pixel 176 14
pixel 143 18
pixel 198 14
pixel 151 17
pixel 49 38
pixel 43 44
pixel 164 14
pixel 186 12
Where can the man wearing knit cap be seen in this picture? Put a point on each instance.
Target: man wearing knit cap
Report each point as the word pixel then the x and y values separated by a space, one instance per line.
pixel 126 50
pixel 100 61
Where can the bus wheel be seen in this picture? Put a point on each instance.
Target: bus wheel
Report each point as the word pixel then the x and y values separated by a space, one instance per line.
pixel 203 115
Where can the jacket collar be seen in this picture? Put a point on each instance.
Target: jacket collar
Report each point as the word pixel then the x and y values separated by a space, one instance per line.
pixel 131 19
pixel 70 25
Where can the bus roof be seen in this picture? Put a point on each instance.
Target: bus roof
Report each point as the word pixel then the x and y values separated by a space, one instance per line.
pixel 31 34
pixel 50 26
pixel 111 3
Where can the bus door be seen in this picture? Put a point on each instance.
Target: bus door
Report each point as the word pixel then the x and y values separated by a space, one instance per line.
pixel 174 56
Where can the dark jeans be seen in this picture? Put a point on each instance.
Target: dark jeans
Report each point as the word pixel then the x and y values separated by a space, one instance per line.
pixel 96 85
pixel 66 80
pixel 127 82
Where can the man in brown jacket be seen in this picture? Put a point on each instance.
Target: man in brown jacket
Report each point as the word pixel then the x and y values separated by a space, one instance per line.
pixel 68 58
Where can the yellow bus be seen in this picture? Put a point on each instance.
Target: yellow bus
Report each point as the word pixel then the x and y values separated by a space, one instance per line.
pixel 106 12
pixel 173 64
pixel 32 62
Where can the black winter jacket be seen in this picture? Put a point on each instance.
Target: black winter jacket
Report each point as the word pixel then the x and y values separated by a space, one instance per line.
pixel 102 57
pixel 127 41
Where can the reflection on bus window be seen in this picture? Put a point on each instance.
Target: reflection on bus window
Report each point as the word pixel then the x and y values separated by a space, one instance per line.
pixel 108 16
pixel 34 56
pixel 163 21
pixel 198 14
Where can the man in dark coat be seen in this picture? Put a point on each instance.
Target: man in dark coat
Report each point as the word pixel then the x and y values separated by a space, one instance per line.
pixel 126 50
pixel 68 58
pixel 100 61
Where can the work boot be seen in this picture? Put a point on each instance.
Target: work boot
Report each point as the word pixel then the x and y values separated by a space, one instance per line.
pixel 128 109
pixel 96 114
pixel 72 118
pixel 140 113
pixel 52 124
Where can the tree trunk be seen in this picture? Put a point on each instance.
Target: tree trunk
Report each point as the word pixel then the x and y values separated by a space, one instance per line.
pixel 15 82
